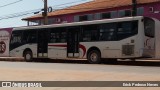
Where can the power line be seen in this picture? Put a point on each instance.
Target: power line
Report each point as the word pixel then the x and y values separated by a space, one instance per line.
pixel 15 16
pixel 19 14
pixel 10 3
pixel 31 12
pixel 70 2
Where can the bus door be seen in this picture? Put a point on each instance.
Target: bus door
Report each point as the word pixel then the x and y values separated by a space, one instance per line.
pixel 73 43
pixel 42 43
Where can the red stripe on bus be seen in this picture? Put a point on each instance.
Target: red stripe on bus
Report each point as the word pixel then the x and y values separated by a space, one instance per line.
pixel 83 48
pixel 58 45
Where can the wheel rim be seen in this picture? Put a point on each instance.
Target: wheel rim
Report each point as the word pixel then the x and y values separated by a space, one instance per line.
pixel 28 56
pixel 94 57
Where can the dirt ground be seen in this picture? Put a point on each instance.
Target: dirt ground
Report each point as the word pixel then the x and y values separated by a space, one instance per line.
pixel 8 74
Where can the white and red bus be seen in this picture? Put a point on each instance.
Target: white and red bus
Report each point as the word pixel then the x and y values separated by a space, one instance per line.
pixel 119 38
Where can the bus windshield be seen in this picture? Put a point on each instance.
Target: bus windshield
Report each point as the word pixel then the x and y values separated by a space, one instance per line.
pixel 149 27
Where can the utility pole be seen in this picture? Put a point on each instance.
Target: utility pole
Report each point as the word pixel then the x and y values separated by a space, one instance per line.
pixel 134 7
pixel 45 12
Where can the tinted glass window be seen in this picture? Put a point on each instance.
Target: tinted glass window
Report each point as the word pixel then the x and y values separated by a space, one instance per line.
pixel 106 15
pixel 16 39
pixel 97 16
pixel 58 35
pixel 108 32
pixel 90 33
pixel 76 18
pixel 87 17
pixel 90 17
pixel 123 13
pixel 140 11
pixel 83 18
pixel 114 14
pixel 127 29
pixel 127 12
pixel 30 36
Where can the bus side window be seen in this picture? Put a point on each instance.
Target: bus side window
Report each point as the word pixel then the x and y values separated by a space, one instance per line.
pixel 63 35
pixel 108 32
pixel 30 36
pixel 55 38
pixel 127 29
pixel 58 35
pixel 90 33
pixel 52 37
pixel 16 39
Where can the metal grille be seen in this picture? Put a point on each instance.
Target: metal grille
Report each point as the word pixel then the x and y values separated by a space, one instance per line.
pixel 128 50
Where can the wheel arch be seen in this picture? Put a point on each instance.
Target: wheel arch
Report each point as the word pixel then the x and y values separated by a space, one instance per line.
pixel 93 48
pixel 27 49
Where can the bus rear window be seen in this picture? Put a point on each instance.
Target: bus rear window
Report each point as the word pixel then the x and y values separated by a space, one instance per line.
pixel 149 27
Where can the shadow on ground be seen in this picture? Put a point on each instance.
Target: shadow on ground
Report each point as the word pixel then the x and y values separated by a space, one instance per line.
pixel 138 62
pixel 152 63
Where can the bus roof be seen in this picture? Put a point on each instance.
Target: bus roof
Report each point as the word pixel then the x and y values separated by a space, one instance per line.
pixel 80 23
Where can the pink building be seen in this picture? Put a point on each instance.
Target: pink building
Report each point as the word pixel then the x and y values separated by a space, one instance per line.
pixel 99 9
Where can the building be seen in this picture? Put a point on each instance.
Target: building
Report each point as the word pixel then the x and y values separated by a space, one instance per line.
pixel 98 9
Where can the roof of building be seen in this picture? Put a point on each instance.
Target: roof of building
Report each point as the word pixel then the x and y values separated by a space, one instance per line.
pixel 92 5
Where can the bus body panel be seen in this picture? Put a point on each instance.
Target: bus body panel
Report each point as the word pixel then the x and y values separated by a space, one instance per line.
pixel 18 52
pixel 5 34
pixel 157 39
pixel 114 49
pixel 150 35
pixel 57 51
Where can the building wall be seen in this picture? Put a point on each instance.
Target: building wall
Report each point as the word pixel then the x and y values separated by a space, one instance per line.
pixel 147 12
pixel 156 10
pixel 71 17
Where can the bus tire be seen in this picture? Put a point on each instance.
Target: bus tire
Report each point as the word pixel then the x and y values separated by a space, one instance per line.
pixel 94 57
pixel 28 56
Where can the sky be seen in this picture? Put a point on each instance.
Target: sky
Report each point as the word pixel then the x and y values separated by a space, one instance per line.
pixel 28 5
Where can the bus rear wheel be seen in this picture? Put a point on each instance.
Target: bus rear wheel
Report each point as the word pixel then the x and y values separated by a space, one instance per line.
pixel 94 57
pixel 28 56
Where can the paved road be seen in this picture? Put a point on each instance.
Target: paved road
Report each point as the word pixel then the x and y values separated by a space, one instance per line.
pixel 40 71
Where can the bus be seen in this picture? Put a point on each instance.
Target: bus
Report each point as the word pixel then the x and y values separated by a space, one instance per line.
pixel 119 38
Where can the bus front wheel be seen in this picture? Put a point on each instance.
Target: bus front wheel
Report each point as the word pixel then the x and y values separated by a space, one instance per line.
pixel 94 57
pixel 28 56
